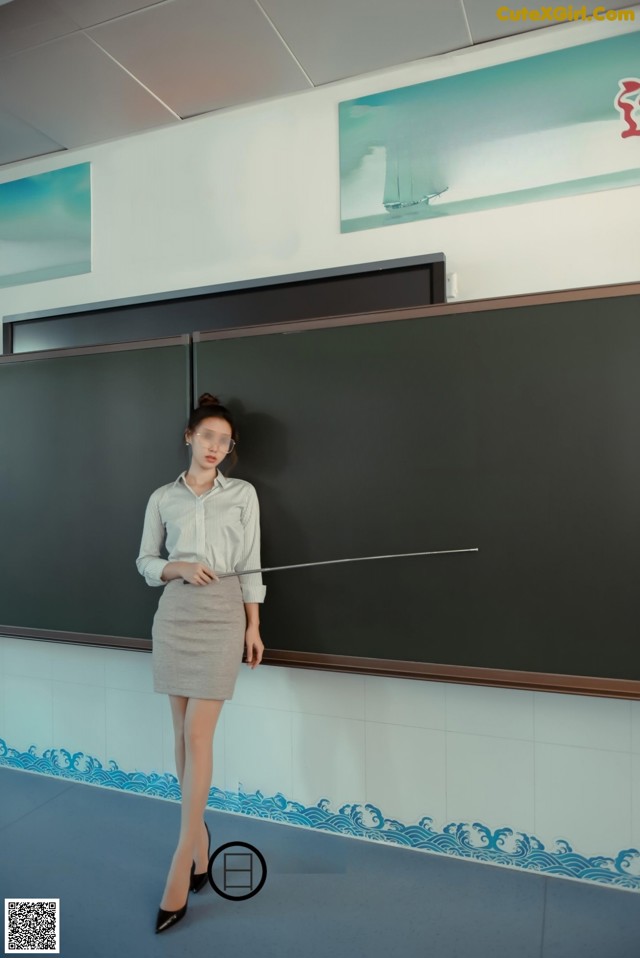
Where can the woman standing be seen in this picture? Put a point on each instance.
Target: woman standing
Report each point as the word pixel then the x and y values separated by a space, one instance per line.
pixel 209 523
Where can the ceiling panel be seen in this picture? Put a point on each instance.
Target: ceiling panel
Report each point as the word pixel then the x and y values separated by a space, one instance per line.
pixel 337 39
pixel 76 72
pixel 485 25
pixel 25 23
pixel 87 13
pixel 76 94
pixel 19 141
pixel 199 56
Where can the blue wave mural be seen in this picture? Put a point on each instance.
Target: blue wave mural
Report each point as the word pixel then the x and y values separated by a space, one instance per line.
pixel 472 840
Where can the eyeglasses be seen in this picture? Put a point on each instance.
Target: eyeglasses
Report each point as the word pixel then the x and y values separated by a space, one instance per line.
pixel 222 440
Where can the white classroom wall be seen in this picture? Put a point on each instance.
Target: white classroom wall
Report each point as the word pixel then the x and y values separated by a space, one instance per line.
pixel 254 192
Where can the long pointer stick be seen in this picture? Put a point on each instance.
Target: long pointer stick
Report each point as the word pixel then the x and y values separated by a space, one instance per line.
pixel 304 565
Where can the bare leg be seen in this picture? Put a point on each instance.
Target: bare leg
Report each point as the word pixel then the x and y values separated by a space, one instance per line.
pixel 198 727
pixel 178 709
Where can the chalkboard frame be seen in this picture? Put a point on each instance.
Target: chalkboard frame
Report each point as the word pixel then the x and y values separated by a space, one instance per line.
pixel 472 675
pixel 413 280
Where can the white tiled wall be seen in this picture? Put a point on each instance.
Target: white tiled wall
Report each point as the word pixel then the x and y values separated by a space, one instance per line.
pixel 550 765
pixel 415 757
pixel 635 773
pixel 2 685
pixel 635 788
pixel 584 794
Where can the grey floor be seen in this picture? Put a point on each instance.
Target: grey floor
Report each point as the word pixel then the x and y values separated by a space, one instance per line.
pixel 105 855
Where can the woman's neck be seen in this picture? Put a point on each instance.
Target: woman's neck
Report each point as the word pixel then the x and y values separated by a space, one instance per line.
pixel 200 477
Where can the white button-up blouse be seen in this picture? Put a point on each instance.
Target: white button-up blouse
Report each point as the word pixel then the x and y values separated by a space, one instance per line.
pixel 221 528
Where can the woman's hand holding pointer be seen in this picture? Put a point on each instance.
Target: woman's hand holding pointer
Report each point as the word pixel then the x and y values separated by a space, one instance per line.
pixel 196 573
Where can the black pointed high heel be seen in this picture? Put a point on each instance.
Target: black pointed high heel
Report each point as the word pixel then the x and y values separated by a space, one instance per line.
pixel 199 880
pixel 166 919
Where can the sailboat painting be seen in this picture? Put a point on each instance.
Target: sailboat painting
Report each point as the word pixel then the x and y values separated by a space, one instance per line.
pixel 551 125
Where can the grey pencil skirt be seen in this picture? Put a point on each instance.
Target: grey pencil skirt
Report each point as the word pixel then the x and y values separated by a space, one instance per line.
pixel 198 639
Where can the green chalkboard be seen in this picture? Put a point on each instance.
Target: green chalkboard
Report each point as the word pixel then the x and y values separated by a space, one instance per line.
pixel 511 430
pixel 84 440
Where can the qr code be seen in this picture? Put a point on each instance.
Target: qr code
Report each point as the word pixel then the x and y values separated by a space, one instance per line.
pixel 32 926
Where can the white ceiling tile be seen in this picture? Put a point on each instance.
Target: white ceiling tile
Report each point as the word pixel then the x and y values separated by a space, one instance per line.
pixel 60 89
pixel 76 94
pixel 199 56
pixel 335 39
pixel 25 23
pixel 485 24
pixel 19 141
pixel 87 13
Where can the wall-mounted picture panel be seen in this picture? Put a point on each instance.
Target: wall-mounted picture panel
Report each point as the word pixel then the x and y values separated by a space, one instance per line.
pixel 547 126
pixel 45 226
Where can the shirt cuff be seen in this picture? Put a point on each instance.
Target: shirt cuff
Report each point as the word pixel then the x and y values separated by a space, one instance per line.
pixel 253 593
pixel 153 571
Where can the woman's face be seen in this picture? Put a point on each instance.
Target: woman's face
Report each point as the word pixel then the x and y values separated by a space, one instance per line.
pixel 211 442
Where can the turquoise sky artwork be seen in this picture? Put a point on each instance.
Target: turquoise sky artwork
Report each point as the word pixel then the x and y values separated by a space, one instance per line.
pixel 552 125
pixel 45 226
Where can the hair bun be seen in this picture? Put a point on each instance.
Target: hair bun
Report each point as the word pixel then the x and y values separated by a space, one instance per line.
pixel 206 399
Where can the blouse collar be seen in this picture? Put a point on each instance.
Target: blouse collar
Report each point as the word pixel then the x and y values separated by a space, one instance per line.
pixel 220 479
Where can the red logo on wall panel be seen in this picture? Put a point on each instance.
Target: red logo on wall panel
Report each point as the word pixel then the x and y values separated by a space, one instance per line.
pixel 628 102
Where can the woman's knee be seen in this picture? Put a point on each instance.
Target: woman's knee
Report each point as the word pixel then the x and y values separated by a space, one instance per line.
pixel 178 729
pixel 200 723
